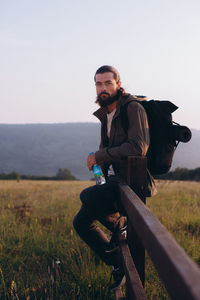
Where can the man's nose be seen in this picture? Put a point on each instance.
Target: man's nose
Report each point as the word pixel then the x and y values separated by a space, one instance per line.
pixel 103 87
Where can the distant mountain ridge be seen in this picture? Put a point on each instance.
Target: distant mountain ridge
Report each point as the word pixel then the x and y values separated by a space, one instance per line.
pixel 41 149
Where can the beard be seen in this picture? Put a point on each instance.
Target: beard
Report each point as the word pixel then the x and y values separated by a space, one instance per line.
pixel 109 100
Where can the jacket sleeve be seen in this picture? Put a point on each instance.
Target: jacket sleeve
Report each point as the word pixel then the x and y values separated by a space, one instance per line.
pixel 137 141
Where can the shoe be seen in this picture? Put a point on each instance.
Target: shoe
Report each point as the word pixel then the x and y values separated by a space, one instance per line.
pixel 114 244
pixel 118 278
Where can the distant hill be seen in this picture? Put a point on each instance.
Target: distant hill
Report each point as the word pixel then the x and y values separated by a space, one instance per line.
pixel 187 154
pixel 41 149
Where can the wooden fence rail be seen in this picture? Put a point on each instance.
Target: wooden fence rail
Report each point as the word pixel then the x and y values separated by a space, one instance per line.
pixel 180 275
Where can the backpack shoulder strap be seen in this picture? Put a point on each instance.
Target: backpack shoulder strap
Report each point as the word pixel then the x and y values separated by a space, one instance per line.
pixel 124 117
pixel 123 113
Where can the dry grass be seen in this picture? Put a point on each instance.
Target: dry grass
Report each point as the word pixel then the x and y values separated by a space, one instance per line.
pixel 177 206
pixel 41 257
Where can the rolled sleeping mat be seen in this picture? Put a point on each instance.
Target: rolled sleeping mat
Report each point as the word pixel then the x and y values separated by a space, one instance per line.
pixel 181 133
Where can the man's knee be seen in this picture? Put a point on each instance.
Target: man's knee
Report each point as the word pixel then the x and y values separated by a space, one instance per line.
pixel 84 195
pixel 89 195
pixel 76 223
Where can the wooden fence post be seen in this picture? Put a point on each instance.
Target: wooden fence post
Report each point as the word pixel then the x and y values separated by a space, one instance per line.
pixel 137 180
pixel 179 273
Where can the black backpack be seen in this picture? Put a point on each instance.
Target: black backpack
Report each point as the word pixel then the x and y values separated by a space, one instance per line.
pixel 164 133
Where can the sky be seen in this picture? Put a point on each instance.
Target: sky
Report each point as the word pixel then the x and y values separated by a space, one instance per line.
pixel 50 50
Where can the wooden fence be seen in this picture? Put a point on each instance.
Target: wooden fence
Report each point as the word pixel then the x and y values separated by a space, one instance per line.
pixel 180 275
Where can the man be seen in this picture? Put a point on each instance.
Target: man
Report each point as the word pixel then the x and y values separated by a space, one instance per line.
pixel 101 202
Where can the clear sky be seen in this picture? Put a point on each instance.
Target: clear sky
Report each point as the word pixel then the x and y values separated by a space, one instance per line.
pixel 50 50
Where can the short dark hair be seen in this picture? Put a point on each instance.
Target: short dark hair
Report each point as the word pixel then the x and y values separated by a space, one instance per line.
pixel 105 69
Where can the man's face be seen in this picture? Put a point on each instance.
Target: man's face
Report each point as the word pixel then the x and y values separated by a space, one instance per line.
pixel 106 85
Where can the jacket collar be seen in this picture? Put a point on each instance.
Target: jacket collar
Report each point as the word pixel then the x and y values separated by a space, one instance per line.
pixel 102 111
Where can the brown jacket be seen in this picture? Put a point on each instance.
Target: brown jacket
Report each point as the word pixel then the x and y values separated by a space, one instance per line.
pixel 122 144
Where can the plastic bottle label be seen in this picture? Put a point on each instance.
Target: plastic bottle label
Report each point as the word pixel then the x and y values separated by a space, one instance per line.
pixel 96 171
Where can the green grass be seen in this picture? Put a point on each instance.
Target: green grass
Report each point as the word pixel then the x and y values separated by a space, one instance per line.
pixel 41 256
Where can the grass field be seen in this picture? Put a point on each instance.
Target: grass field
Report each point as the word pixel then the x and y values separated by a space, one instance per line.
pixel 41 257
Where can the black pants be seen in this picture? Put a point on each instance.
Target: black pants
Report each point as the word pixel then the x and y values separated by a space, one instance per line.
pixel 99 203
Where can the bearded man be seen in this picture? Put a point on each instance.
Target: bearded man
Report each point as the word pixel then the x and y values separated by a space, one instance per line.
pixel 101 202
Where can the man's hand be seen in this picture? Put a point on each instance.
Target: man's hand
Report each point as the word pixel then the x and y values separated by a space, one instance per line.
pixel 91 161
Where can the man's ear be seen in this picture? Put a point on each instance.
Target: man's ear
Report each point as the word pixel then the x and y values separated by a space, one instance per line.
pixel 119 84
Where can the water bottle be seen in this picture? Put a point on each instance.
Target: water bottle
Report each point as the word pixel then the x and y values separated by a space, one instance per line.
pixel 98 175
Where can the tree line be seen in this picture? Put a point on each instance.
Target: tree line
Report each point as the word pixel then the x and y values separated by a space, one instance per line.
pixel 62 174
pixel 181 174
pixel 65 174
